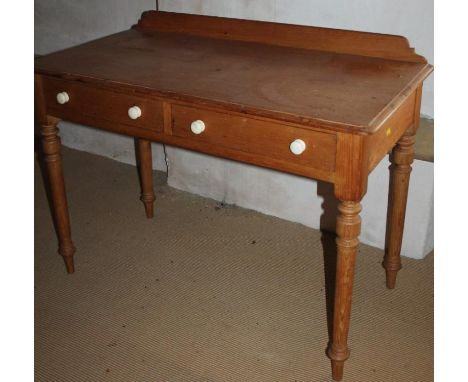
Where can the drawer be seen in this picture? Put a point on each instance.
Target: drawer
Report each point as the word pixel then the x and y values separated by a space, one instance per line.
pixel 261 138
pixel 87 102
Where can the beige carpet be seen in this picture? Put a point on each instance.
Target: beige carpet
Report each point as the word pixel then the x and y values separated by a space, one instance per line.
pixel 208 293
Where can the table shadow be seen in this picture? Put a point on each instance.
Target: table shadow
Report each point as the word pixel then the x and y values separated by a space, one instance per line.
pixel 328 239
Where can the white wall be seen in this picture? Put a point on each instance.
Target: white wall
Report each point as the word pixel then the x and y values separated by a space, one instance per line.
pixel 63 23
pixel 59 24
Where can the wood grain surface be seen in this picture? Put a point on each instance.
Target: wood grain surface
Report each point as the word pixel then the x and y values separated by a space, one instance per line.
pixel 311 87
pixel 267 139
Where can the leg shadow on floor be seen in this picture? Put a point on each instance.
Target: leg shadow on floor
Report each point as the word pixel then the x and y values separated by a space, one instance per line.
pixel 328 238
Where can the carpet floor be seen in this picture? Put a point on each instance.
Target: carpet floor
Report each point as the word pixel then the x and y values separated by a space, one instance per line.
pixel 206 292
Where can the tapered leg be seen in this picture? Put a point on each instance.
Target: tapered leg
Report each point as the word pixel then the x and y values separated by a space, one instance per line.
pixel 146 175
pixel 53 160
pixel 400 170
pixel 348 227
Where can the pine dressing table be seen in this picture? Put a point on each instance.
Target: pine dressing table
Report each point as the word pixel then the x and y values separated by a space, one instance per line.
pixel 321 103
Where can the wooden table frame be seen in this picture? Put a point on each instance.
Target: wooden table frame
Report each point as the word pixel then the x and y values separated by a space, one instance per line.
pixel 349 149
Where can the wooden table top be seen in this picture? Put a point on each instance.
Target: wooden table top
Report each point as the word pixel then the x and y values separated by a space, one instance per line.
pixel 308 86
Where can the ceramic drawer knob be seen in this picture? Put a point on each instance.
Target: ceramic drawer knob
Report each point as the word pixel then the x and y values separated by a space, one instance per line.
pixel 134 112
pixel 62 98
pixel 197 127
pixel 297 146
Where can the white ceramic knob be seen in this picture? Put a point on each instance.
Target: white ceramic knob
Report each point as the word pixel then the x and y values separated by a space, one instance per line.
pixel 62 98
pixel 297 146
pixel 134 112
pixel 197 127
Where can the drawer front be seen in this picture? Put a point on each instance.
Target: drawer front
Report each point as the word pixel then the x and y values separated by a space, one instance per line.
pixel 258 137
pixel 88 102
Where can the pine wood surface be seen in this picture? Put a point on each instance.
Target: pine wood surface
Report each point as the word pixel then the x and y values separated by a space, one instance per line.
pixel 300 85
pixel 266 139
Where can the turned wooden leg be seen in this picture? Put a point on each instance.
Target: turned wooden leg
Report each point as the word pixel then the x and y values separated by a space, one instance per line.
pixel 53 160
pixel 348 227
pixel 146 175
pixel 400 169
